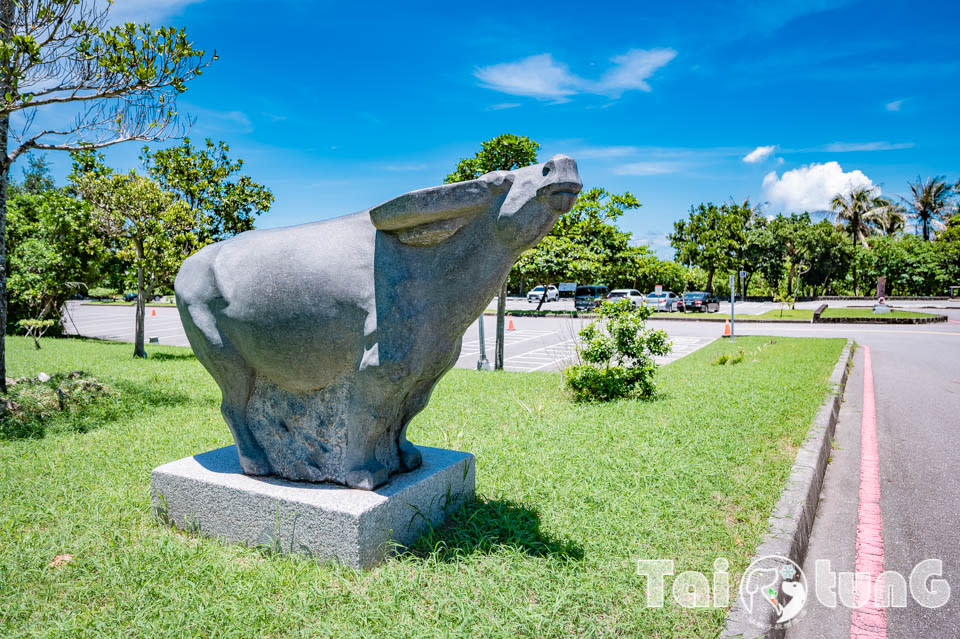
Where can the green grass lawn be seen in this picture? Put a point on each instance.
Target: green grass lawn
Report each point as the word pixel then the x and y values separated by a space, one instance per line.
pixel 570 497
pixel 807 314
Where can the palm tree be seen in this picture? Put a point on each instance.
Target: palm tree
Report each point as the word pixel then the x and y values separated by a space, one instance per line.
pixel 888 220
pixel 929 201
pixel 856 209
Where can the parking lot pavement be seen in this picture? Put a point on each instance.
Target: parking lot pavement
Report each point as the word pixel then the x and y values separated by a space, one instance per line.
pixel 548 344
pixel 535 344
pixel 745 308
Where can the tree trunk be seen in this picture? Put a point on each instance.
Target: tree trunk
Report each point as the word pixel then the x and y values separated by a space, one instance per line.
pixel 4 176
pixel 543 298
pixel 501 319
pixel 710 280
pixel 6 25
pixel 138 349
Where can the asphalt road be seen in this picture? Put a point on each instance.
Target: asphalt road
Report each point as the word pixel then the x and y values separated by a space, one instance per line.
pixel 916 371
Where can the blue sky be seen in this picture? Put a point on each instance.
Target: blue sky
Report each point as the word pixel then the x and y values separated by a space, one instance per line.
pixel 339 106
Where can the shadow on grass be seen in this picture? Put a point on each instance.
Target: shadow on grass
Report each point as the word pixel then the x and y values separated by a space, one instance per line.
pixel 128 399
pixel 487 526
pixel 167 357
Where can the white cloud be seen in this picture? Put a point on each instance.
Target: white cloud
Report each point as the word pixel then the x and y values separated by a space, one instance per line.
pixel 759 154
pixel 539 76
pixel 895 105
pixel 503 105
pixel 542 77
pixel 811 187
pixel 631 70
pixel 647 168
pixel 152 11
pixel 847 147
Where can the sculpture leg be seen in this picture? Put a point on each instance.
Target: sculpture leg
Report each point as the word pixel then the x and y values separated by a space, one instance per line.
pixel 364 470
pixel 235 379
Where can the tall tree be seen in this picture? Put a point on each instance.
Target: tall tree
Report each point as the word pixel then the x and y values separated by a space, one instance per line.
pixel 855 209
pixel 207 180
pixel 711 236
pixel 53 251
pixel 929 201
pixel 889 220
pixel 502 153
pixel 152 230
pixel 121 81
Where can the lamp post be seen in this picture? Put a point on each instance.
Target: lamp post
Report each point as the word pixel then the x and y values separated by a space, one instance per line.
pixel 482 363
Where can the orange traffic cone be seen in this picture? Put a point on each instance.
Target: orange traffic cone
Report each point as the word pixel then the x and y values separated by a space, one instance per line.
pixel 153 312
pixel 726 328
pixel 510 324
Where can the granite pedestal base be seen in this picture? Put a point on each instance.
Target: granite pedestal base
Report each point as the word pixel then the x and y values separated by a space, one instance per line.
pixel 208 493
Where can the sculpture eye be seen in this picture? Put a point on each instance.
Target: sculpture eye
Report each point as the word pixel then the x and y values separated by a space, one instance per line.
pixel 546 170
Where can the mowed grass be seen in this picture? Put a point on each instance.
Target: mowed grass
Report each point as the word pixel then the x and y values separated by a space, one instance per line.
pixel 807 314
pixel 571 496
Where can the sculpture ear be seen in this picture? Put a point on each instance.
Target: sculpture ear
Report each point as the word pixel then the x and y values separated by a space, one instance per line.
pixel 429 216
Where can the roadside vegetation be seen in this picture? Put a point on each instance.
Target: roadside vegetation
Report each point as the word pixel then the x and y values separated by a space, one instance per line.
pixel 571 495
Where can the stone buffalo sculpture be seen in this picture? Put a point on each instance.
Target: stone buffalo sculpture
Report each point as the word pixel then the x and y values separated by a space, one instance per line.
pixel 327 338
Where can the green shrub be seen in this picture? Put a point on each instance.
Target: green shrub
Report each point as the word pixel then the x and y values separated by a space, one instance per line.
pixel 721 360
pixel 617 354
pixel 100 293
pixel 32 401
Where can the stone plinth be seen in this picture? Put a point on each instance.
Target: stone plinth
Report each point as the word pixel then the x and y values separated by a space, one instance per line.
pixel 208 493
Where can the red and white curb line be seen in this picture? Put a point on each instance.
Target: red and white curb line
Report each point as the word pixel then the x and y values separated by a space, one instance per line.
pixel 869 620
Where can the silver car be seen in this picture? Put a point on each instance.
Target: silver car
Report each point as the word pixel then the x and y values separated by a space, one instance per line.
pixel 663 301
pixel 536 294
pixel 633 295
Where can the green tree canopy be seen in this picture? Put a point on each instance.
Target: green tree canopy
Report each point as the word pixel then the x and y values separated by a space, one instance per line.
pixel 208 181
pixel 502 153
pixel 150 229
pixel 120 82
pixel 712 237
pixel 54 251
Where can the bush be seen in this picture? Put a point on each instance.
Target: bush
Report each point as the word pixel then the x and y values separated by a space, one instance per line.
pixel 102 293
pixel 617 353
pixel 33 401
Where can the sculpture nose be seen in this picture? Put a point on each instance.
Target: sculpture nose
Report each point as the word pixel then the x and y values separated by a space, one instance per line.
pixel 563 174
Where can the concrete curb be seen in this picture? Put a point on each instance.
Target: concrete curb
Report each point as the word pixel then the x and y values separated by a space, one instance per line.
pixel 792 518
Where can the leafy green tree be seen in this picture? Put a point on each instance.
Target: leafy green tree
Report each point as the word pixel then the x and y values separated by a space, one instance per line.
pixel 54 250
pixel 711 237
pixel 828 256
pixel 122 82
pixel 617 351
pixel 929 201
pixel 151 229
pixel 36 177
pixel 585 245
pixel 208 181
pixel 502 153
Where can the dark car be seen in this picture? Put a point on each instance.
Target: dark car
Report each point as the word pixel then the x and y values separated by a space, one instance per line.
pixel 589 296
pixel 698 301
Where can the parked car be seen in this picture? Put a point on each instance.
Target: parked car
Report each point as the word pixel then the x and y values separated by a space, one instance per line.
pixel 698 301
pixel 634 295
pixel 665 301
pixel 536 294
pixel 589 296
